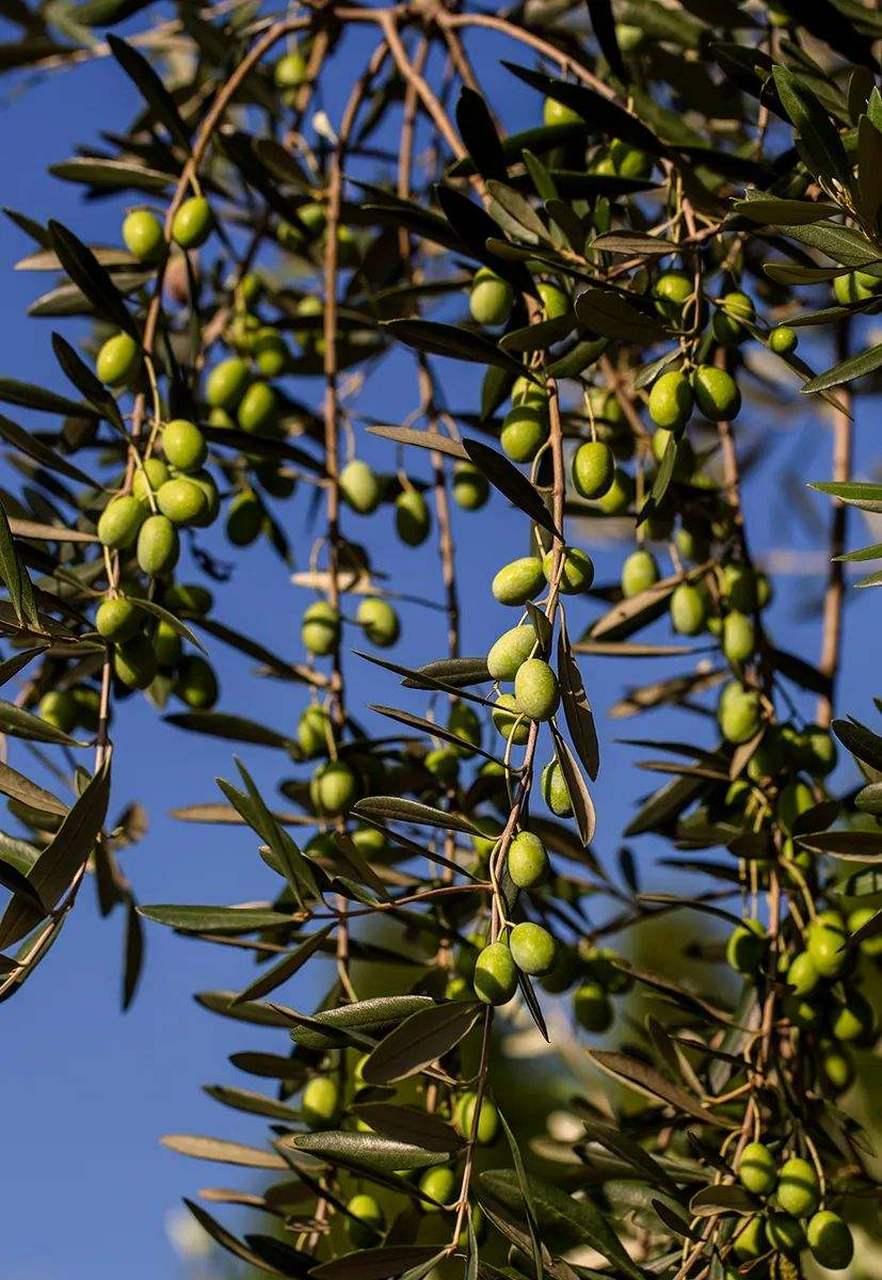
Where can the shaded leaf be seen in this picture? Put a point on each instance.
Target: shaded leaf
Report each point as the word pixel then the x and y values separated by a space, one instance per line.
pixel 420 1040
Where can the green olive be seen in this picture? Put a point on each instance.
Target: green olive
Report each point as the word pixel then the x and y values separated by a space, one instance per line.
pixel 524 430
pixel 320 1102
pixel 830 1240
pixel 555 791
pixel 258 409
pixel 471 488
pixel 671 400
pixel 365 1222
pixel 511 649
pixel 835 1067
pixel 747 947
pixel 413 521
pixel 577 570
pixel 593 469
pixel 802 975
pixel 491 298
pixel 439 1184
pixel 158 546
pixel 496 977
pixel 226 383
pixel 672 290
pixel 716 393
pixel 488 1126
pixel 795 799
pixel 270 352
pixel 193 222
pixel 148 477
pixel 313 731
pixel 196 684
pixel 688 610
pixel 749 1241
pixel 757 1170
pixel 783 340
pixel 784 1233
pixel 739 637
pixel 639 572
pixel 509 720
pixel 182 501
pixel 166 645
pixel 189 598
pixel 735 309
pixel 872 944
pixel 533 948
pixel 536 690
pixel 360 488
pixel 143 235
pixel 118 619
pixel 58 708
pixel 738 713
pixel 244 518
pixel 134 662
pixel 854 1019
pixel 118 360
pixel 320 629
pixel 592 1008
pixel 518 581
pixel 466 724
pixel 555 302
pixel 379 621
pixel 798 1192
pixel 184 445
pixel 120 521
pixel 527 860
pixel 554 112
pixel 333 789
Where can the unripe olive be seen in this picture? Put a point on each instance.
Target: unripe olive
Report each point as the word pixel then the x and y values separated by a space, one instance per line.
pixel 822 753
pixel 443 764
pixel 118 360
pixel 465 723
pixel 639 573
pixel 58 708
pixel 225 385
pixel 143 236
pixel 533 948
pixel 830 1240
pixel 270 352
pixel 836 1067
pixel 509 720
pixel 369 841
pixel 684 460
pixel 619 496
pixel 628 161
pixel 592 1008
pixel 118 619
pixel 527 860
pixel 196 684
pixel 870 946
pixel 716 393
pixel 184 445
pixel 311 339
pixel 850 288
pixel 221 418
pixel 379 620
pixel 798 1191
pixel 670 400
pixel 601 964
pixel 524 430
pixel 320 1102
pixel 332 788
pixel 134 662
pixel 691 544
pixel 783 340
pixel 290 72
pixel 148 477
pixel 739 636
pixel 783 1232
pixel 688 610
pixel 802 975
pixel 803 1012
pixel 757 1170
pixel 629 37
pixel 205 481
pixel 555 792
pixel 366 1221
pixel 738 713
pixel 518 581
pixel 192 224
pixel 564 973
pixel 554 112
pixel 158 546
pixel 508 652
pixel 412 518
pixel 488 1119
pixel 120 521
pixel 491 298
pixel 735 308
pixel 796 798
pixel 749 1242
pixel 740 587
pixel 496 977
pixel 188 598
pixel 854 1019
pixel 672 290
pixel 244 518
pixel 439 1184
pixel 258 409
pixel 471 488
pixel 577 570
pixel 182 501
pixel 360 488
pixel 485 844
pixel 536 689
pixel 312 731
pixel 320 629
pixel 525 389
pixel 594 469
pixel 746 947
pixel 555 302
pixel 166 645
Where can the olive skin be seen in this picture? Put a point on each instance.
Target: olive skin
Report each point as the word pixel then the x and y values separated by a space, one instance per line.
pixel 380 622
pixel 554 112
pixel 509 720
pixel 244 519
pixel 746 947
pixel 270 352
pixel 716 393
pixel 465 723
pixel 739 637
pixel 524 430
pixel 869 946
pixel 148 477
pixel 672 290
pixel 471 488
pixel 802 975
pixel 488 1119
pixel 854 1020
pixel 143 236
pixel 496 977
pixel 439 1184
pixel 158 546
pixel 184 445
pixel 555 791
pixel 783 340
pixel 119 522
pixel 592 1008
pixel 117 620
pixel 577 570
pixel 443 764
pixel 740 586
pixel 830 1240
pixel 312 731
pixel 366 1221
pixel 527 860
pixel 798 1192
pixel 639 573
pixel 118 360
pixel 196 685
pixel 749 1241
pixel 258 409
pixel 536 689
pixel 134 662
pixel 518 581
pixel 734 309
pixel 795 799
pixel 784 1233
pixel 289 73
pixel 204 481
pixel 671 400
pixel 757 1170
pixel 619 496
pixel 193 222
pixel 490 299
pixel 822 753
pixel 188 598
pixel 835 1068
pixel 166 645
pixel 593 469
pixel 58 708
pixel 182 501
pixel 738 713
pixel 688 610
pixel 320 1102
pixel 332 789
pixel 320 629
pixel 533 948
pixel 226 384
pixel 509 651
pixel 412 519
pixel 555 302
pixel 360 488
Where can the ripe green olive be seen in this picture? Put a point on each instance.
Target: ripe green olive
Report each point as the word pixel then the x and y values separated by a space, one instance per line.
pixel 821 753
pixel 757 1170
pixel 143 236
pixel 379 621
pixel 511 649
pixel 184 445
pixel 527 860
pixel 798 1191
pixel 555 791
pixel 738 713
pixel 739 636
pixel 134 662
pixel 193 222
pixel 619 496
pixel 749 1242
pixel 854 1019
pixel 593 469
pixel 784 1233
pixel 536 689
pixel 120 521
pixel 734 309
pixel 158 546
pixel 518 581
pixel 533 948
pixel 672 290
pixel 671 400
pixel 148 477
pixel 835 1067
pixel 466 724
pixel 313 731
pixel 577 570
pixel 118 360
pixel 783 340
pixel 182 501
pixel 196 684
pixel 510 720
pixel 258 409
pixel 58 708
pixel 289 73
pixel 554 112
pixel 270 352
pixel 524 430
pixel 443 764
pixel 320 628
pixel 802 975
pixel 320 1102
pixel 226 383
pixel 471 488
pixel 592 1008
pixel 118 619
pixel 564 973
pixel 360 488
pixel 366 1221
pixel 166 645
pixel 496 977
pixel 830 1240
pixel 188 598
pixel 716 393
pixel 629 162
pixel 688 610
pixel 332 789
pixel 413 521
pixel 746 947
pixel 439 1184
pixel 490 298
pixel 795 799
pixel 740 587
pixel 853 288
pixel 639 572
pixel 872 945
pixel 555 302
pixel 488 1119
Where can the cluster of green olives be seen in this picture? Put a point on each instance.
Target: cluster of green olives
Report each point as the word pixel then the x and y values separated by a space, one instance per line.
pixel 791 1217
pixel 145 647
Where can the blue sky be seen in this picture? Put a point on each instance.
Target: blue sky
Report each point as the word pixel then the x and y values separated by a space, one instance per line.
pixel 87 1092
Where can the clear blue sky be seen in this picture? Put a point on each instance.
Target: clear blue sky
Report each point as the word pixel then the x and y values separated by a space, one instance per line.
pixel 87 1092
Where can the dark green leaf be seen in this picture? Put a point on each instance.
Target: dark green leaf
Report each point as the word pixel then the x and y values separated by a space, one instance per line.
pixel 419 1040
pixel 515 486
pixel 152 89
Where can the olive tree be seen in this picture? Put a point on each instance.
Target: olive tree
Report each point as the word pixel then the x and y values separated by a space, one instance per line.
pixel 697 197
